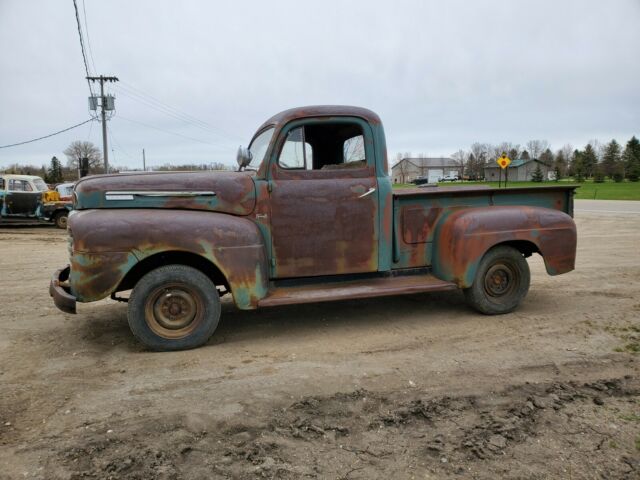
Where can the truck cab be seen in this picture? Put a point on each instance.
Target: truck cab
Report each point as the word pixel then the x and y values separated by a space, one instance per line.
pixel 28 198
pixel 309 217
pixel 20 196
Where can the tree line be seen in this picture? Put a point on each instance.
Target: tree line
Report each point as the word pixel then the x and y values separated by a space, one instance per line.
pixel 595 161
pixel 55 172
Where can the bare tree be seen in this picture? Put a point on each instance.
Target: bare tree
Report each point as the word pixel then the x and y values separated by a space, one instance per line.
pixel 402 166
pixel 82 149
pixel 478 159
pixel 461 158
pixel 512 151
pixel 598 148
pixel 536 147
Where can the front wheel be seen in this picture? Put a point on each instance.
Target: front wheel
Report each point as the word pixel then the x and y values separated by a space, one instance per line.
pixel 60 219
pixel 174 307
pixel 501 282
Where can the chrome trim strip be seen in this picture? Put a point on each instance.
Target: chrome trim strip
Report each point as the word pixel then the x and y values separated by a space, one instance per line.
pixel 117 196
pixel 129 194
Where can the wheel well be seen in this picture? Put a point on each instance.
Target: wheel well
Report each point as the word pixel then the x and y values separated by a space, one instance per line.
pixel 173 257
pixel 526 247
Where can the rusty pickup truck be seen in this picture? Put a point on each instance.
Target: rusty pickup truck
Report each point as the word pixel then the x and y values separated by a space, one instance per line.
pixel 310 216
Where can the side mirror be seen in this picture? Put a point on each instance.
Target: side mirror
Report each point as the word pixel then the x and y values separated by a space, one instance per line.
pixel 243 157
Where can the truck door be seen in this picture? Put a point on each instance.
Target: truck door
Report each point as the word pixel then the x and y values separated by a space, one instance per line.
pixel 324 202
pixel 21 198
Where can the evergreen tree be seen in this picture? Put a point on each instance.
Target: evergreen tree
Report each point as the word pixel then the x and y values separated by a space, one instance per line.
pixel 546 157
pixel 577 166
pixel 537 175
pixel 611 158
pixel 589 160
pixel 560 165
pixel 54 174
pixel 598 174
pixel 631 159
pixel 524 155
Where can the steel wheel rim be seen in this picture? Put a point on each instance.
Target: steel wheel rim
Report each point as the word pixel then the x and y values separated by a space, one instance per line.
pixel 501 280
pixel 174 311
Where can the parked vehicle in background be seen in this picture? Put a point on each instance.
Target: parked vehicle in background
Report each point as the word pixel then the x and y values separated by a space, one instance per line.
pixel 449 178
pixel 28 198
pixel 310 216
pixel 65 190
pixel 420 180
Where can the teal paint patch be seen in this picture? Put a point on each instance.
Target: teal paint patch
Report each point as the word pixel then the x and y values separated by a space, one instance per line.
pixel 94 276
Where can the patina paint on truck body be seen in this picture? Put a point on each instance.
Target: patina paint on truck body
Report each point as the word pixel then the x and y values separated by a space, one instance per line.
pixel 313 217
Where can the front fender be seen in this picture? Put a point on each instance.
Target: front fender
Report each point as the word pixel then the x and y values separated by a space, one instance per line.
pixel 107 244
pixel 464 236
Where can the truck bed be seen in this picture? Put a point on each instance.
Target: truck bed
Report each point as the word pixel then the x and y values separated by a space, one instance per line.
pixel 557 197
pixel 418 211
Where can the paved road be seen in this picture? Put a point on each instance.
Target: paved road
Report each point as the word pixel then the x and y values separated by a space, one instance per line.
pixel 608 206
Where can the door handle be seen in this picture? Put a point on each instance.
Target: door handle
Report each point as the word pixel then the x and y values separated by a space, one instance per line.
pixel 367 193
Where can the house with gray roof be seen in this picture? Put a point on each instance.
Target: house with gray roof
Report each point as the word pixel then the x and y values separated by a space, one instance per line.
pixel 433 169
pixel 520 170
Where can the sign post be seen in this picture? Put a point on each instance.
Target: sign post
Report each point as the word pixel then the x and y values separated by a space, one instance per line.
pixel 503 162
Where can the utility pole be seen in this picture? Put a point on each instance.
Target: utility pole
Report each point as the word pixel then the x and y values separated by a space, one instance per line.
pixel 106 103
pixel 144 162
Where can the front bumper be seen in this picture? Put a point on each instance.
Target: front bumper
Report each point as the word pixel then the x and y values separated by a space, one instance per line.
pixel 61 292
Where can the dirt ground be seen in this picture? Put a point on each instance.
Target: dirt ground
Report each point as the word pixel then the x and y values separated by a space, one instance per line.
pixel 407 387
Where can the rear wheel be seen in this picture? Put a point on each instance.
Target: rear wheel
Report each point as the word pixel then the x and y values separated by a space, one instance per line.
pixel 60 219
pixel 174 307
pixel 501 282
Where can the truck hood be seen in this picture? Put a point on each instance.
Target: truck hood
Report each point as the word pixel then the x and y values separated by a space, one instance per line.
pixel 228 192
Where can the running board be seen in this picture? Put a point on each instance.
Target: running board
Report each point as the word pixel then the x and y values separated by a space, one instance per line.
pixel 346 290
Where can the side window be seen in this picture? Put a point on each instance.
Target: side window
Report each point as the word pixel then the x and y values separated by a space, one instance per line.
pixel 15 185
pixel 296 153
pixel 1 183
pixel 26 186
pixel 353 149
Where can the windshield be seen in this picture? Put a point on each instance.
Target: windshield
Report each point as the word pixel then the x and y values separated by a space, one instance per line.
pixel 258 147
pixel 65 189
pixel 40 185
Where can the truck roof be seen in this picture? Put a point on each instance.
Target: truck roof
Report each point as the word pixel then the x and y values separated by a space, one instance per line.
pixel 12 176
pixel 322 111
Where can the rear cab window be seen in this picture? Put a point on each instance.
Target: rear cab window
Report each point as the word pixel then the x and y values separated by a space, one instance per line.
pixel 326 146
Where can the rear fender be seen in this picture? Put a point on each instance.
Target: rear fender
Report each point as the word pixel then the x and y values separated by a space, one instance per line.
pixel 107 244
pixel 463 237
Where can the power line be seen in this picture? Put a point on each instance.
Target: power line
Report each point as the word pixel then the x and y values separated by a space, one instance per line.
pixel 160 109
pixel 171 133
pixel 115 141
pixel 150 98
pixel 86 30
pixel 160 102
pixel 84 56
pixel 47 136
pixel 90 128
pixel 224 142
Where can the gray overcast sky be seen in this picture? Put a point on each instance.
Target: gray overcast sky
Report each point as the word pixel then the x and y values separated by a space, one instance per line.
pixel 440 74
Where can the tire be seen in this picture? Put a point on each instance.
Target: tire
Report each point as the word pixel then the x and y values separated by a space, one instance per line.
pixel 501 282
pixel 60 219
pixel 174 307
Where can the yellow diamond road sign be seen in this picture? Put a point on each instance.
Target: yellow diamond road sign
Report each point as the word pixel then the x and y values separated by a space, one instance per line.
pixel 503 161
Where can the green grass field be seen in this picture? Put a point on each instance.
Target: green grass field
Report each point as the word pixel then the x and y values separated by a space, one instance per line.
pixel 588 190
